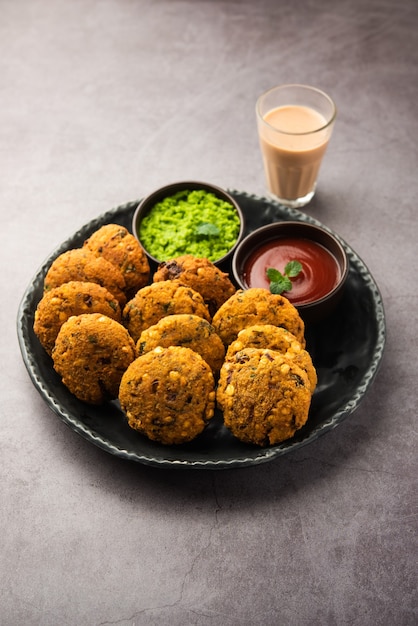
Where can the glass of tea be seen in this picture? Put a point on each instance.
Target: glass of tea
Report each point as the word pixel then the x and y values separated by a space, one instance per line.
pixel 294 123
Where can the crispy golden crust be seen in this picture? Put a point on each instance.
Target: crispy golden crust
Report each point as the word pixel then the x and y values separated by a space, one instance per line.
pixel 155 301
pixel 278 339
pixel 257 306
pixel 73 298
pixel 185 330
pixel 83 265
pixel 168 394
pixel 201 275
pixel 116 244
pixel 91 353
pixel 264 396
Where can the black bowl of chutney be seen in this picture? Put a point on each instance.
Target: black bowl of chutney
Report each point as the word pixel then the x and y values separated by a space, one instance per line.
pixel 318 286
pixel 188 217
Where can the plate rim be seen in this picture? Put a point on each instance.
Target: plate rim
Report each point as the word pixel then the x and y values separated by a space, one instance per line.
pixel 261 455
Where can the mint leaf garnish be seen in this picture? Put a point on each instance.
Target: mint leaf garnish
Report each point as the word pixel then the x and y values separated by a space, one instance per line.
pixel 293 268
pixel 208 230
pixel 281 282
pixel 273 275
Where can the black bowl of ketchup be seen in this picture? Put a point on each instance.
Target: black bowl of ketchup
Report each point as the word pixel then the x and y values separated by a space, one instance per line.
pixel 318 287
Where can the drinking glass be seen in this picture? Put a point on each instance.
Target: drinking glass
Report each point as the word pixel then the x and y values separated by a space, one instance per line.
pixel 294 123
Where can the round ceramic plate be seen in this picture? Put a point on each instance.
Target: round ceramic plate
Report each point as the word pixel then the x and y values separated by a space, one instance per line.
pixel 346 349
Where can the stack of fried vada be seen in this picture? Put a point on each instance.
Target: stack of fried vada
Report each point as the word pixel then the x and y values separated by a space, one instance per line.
pixel 268 378
pixel 174 345
pixel 78 319
pixel 72 298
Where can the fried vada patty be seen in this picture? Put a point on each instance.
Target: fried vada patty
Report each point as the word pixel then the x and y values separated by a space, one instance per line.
pixel 155 301
pixel 185 330
pixel 91 353
pixel 278 339
pixel 257 306
pixel 116 244
pixel 264 396
pixel 168 394
pixel 83 265
pixel 201 275
pixel 72 298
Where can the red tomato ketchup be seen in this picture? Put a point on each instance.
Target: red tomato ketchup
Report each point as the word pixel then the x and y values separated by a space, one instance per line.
pixel 320 270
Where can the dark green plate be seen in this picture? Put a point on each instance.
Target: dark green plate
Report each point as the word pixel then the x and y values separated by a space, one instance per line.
pixel 346 349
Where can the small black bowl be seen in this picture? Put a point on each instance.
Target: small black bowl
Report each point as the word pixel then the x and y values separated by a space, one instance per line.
pixel 311 310
pixel 158 195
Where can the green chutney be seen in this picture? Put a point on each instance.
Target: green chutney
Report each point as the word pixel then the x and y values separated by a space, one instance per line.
pixel 190 222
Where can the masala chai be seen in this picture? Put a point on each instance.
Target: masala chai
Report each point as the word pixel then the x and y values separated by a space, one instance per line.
pixel 294 136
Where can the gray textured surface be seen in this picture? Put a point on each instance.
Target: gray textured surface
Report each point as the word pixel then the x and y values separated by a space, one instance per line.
pixel 100 102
